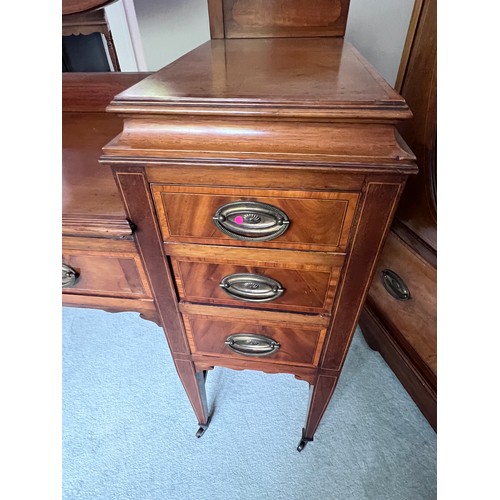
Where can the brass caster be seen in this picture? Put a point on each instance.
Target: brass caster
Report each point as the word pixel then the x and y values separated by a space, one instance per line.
pixel 303 442
pixel 203 428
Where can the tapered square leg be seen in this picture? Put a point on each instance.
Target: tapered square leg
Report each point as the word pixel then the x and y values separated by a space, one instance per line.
pixel 320 394
pixel 194 385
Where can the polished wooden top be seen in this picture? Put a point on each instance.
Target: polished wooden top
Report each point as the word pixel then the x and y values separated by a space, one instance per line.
pixel 91 203
pixel 87 187
pixel 302 78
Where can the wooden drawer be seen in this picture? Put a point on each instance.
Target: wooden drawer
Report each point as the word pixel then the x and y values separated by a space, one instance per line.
pixel 300 338
pixel 317 220
pixel 105 268
pixel 413 322
pixel 273 279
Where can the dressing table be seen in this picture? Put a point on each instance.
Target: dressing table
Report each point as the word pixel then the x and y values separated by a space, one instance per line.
pixel 256 179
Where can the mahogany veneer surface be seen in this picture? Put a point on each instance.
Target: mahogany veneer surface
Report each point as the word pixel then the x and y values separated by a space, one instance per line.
pixel 305 125
pixel 97 238
pixel 305 291
pixel 330 213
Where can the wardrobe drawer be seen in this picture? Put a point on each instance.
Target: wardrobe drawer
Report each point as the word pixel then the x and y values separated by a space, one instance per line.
pixel 265 336
pixel 273 285
pixel 115 272
pixel 304 220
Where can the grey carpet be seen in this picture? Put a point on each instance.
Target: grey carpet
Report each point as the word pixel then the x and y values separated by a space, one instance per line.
pixel 129 432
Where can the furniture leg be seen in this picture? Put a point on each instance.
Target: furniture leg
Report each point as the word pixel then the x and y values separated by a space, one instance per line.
pixel 319 397
pixel 194 385
pixel 138 204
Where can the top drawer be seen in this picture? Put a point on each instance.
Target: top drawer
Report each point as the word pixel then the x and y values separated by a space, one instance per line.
pixel 302 220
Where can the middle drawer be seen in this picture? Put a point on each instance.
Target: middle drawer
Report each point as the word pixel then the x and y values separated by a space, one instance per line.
pixel 267 279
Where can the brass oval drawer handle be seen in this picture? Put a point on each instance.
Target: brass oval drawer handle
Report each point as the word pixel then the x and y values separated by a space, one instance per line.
pixel 251 221
pixel 250 344
pixel 69 276
pixel 395 285
pixel 251 287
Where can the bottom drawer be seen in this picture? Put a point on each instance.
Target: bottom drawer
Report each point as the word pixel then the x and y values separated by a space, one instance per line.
pixel 265 336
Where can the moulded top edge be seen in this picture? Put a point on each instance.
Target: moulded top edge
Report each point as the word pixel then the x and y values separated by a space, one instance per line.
pixel 283 76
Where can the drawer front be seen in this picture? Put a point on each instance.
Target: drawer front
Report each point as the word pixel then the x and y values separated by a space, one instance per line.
pixel 238 336
pixel 303 220
pixel 269 287
pixel 102 273
pixel 412 322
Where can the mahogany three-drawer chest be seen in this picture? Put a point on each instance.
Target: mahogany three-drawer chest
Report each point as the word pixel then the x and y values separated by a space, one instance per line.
pixel 259 174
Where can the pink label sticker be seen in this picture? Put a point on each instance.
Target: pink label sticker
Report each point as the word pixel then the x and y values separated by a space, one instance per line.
pixel 238 219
